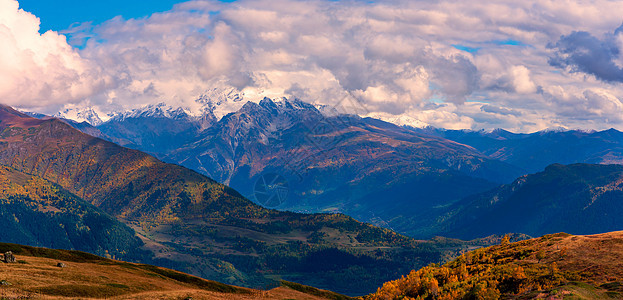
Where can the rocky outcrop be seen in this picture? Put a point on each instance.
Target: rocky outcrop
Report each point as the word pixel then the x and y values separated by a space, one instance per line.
pixel 9 257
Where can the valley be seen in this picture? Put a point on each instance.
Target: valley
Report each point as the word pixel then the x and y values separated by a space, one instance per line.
pixel 393 177
pixel 348 164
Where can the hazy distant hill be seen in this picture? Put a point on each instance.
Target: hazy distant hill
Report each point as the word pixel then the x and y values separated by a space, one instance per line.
pixel 578 198
pixel 195 224
pixel 533 152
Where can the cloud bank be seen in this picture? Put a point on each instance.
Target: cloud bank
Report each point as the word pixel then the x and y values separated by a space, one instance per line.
pixel 457 64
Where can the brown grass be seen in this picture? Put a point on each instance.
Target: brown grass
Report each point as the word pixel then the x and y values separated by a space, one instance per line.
pixel 601 255
pixel 40 278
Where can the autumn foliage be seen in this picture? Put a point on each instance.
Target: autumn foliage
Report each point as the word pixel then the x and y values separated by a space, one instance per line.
pixel 542 266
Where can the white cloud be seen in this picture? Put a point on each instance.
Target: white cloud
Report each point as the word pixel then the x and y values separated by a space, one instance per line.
pixel 41 70
pixel 393 58
pixel 522 83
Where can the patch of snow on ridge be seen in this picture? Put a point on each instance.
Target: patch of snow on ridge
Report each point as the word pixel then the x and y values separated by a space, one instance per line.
pixel 401 120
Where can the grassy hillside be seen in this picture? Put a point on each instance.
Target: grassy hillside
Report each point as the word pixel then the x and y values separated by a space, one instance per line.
pixel 36 212
pixel 37 275
pixel 194 224
pixel 579 199
pixel 557 266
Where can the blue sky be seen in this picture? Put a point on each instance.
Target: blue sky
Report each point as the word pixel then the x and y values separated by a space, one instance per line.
pixel 60 14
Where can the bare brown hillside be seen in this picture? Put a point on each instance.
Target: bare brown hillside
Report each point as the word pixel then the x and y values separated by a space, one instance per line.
pixel 37 275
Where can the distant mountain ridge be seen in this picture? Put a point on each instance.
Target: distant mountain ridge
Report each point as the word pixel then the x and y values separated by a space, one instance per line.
pixel 577 198
pixel 339 163
pixel 533 152
pixel 345 163
pixel 80 115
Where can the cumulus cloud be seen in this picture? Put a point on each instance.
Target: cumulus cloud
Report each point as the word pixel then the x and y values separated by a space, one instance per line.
pixel 580 51
pixel 41 70
pixel 395 59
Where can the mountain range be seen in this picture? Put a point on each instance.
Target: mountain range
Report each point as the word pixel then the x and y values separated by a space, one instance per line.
pixel 331 163
pixel 190 222
pixel 392 176
pixel 414 181
pixel 37 212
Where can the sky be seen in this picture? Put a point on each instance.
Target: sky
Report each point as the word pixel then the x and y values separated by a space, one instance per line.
pixel 522 66
pixel 62 14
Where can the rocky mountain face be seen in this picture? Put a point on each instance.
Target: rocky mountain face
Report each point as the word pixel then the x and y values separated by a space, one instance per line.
pixel 156 129
pixel 329 162
pixel 396 177
pixel 87 115
pixel 370 169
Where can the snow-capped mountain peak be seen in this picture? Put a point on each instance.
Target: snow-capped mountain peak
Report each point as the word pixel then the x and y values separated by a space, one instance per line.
pixel 80 115
pixel 160 110
pixel 327 110
pixel 218 102
pixel 401 120
pixel 555 129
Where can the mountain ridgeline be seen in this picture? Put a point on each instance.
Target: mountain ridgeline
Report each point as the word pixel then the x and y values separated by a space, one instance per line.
pixel 535 151
pixel 414 182
pixel 157 130
pixel 331 163
pixel 194 224
pixel 125 183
